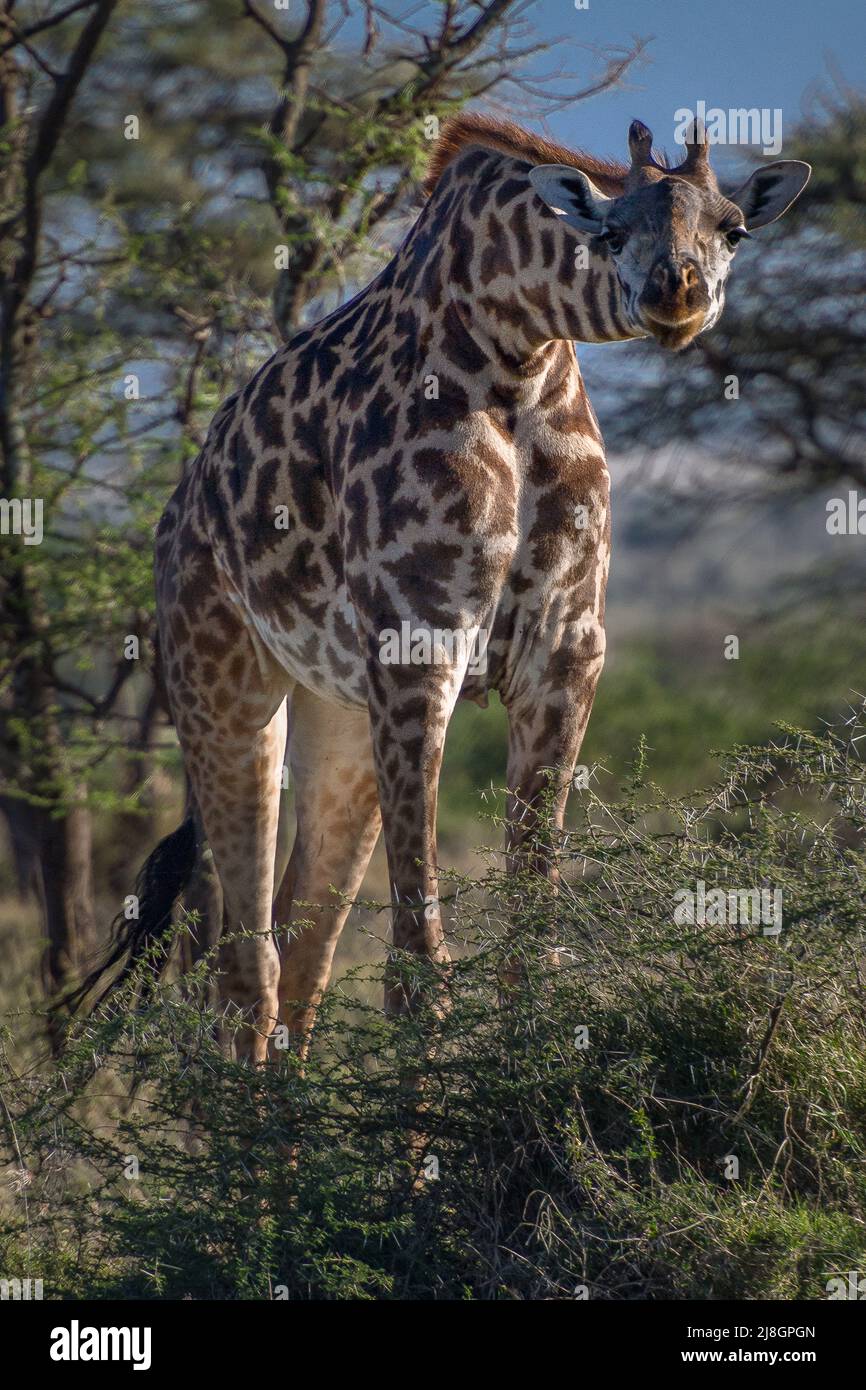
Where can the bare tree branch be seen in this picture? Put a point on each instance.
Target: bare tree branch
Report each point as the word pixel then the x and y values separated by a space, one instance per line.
pixel 50 22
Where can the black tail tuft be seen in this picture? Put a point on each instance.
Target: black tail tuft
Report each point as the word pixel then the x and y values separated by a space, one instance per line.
pixel 163 877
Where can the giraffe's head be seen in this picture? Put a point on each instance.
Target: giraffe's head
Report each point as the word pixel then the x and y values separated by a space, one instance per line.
pixel 671 232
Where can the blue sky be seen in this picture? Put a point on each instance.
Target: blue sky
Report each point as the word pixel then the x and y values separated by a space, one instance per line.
pixel 732 53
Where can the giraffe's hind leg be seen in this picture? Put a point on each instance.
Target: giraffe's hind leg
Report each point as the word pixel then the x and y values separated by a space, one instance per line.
pixel 338 823
pixel 228 700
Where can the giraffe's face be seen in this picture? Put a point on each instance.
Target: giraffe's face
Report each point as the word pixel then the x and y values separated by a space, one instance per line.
pixel 672 234
pixel 672 246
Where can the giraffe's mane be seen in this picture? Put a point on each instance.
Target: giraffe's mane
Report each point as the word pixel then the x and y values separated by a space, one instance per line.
pixel 510 138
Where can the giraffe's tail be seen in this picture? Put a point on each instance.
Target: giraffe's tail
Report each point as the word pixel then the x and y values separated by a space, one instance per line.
pixel 161 880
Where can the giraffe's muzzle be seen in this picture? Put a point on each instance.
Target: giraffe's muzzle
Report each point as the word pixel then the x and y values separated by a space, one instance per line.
pixel 675 301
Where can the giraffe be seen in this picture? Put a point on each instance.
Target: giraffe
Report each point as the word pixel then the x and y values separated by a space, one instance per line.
pixel 423 463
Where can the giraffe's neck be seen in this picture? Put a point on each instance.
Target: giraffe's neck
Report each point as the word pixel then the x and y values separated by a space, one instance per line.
pixel 485 255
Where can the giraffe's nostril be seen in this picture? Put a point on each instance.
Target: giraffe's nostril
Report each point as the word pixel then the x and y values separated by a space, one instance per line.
pixel 669 276
pixel 675 279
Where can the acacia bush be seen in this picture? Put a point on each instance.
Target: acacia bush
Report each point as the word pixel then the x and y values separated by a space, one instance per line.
pixel 660 1109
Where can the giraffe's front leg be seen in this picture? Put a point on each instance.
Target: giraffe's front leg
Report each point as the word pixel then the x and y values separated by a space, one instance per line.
pixel 410 706
pixel 546 730
pixel 546 726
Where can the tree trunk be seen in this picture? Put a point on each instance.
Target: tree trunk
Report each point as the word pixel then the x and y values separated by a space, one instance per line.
pixel 22 825
pixel 67 895
pixel 139 827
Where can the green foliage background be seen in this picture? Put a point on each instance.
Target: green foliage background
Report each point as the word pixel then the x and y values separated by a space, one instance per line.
pixel 575 1134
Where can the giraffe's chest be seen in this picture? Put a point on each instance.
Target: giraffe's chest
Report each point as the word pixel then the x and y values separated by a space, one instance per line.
pixel 499 544
pixel 553 594
pixel 508 602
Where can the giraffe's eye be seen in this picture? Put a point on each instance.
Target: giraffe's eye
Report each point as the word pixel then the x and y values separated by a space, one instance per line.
pixel 734 235
pixel 614 239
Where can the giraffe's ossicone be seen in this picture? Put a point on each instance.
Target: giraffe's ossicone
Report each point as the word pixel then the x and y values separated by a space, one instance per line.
pixel 408 505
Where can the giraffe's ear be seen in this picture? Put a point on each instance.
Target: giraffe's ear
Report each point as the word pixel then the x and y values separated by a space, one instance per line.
pixel 571 195
pixel 771 190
